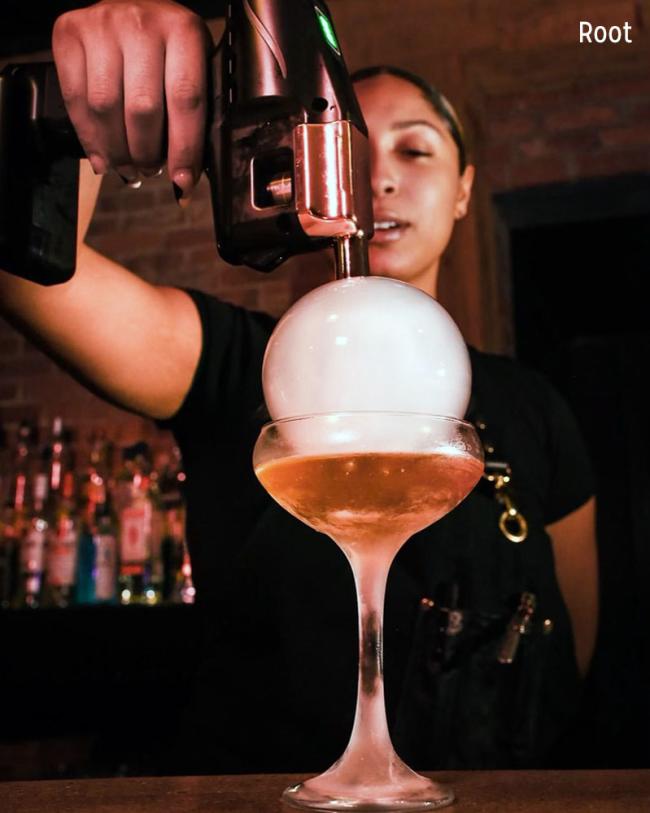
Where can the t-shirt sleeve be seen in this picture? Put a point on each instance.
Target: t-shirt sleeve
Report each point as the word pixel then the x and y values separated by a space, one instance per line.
pixel 227 382
pixel 571 479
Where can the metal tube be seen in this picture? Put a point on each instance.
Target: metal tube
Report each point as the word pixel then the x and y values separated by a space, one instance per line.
pixel 351 256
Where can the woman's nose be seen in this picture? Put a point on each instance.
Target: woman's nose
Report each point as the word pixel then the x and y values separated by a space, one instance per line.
pixel 384 187
pixel 383 178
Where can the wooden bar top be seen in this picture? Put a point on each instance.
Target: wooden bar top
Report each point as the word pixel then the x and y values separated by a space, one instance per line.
pixel 622 791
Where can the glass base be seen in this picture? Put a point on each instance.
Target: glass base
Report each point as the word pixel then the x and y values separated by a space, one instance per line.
pixel 417 793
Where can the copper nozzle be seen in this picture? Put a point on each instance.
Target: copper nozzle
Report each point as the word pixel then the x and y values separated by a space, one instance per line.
pixel 351 256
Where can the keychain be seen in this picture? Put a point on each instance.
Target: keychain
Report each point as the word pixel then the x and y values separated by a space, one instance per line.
pixel 512 523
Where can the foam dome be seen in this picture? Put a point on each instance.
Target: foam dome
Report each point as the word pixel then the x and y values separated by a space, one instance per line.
pixel 366 344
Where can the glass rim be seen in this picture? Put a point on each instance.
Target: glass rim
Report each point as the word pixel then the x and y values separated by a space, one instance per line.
pixel 359 412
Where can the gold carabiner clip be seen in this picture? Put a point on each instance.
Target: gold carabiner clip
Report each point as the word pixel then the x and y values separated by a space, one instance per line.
pixel 512 522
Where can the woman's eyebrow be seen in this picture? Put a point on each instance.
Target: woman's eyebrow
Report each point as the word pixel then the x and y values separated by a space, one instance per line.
pixel 403 125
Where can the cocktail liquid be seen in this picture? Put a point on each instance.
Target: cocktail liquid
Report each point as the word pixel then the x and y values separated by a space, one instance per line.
pixel 370 500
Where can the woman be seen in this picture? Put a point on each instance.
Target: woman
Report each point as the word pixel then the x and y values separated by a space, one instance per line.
pixel 279 678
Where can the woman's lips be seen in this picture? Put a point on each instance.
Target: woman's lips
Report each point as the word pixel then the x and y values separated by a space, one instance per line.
pixel 388 231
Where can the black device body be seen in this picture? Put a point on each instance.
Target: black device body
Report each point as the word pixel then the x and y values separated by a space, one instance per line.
pixel 278 65
pixel 39 176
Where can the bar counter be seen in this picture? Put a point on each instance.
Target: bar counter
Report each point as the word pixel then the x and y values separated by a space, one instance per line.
pixel 621 791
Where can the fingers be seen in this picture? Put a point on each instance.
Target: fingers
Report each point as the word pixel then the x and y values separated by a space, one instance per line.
pixel 106 103
pixel 119 63
pixel 144 111
pixel 70 60
pixel 186 98
pixel 89 65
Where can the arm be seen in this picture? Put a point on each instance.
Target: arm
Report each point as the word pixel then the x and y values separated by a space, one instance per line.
pixel 576 565
pixel 120 64
pixel 135 344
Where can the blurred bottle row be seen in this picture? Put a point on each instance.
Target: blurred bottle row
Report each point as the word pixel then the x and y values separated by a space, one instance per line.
pixel 98 527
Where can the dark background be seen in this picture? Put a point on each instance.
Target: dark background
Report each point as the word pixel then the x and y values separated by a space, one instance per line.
pixel 580 256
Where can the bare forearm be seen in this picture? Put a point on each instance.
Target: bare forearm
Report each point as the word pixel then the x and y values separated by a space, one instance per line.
pixel 576 564
pixel 133 343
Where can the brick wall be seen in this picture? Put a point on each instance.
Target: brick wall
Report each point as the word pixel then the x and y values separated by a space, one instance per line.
pixel 540 109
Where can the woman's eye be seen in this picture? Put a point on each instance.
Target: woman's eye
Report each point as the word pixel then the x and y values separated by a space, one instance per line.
pixel 416 153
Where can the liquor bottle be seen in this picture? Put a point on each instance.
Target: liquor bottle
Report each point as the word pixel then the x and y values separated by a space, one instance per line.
pixel 187 589
pixel 14 516
pixel 62 541
pixel 22 465
pixel 58 457
pixel 32 544
pixel 96 476
pixel 154 589
pixel 8 552
pixel 177 570
pixel 173 555
pixel 105 543
pixel 61 515
pixel 94 493
pixel 172 478
pixel 86 563
pixel 135 522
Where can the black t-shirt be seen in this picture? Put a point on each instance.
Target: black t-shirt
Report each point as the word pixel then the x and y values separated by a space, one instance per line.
pixel 278 684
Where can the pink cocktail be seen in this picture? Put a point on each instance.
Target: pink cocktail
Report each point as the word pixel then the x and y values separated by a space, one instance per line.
pixel 369 481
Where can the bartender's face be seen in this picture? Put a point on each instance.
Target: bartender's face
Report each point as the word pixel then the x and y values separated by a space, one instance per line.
pixel 417 189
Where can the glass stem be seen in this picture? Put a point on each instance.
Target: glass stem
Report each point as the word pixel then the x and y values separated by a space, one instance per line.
pixel 370 740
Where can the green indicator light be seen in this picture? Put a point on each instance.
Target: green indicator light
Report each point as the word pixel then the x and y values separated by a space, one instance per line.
pixel 328 31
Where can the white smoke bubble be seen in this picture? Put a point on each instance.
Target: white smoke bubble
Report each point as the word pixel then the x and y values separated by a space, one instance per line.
pixel 366 344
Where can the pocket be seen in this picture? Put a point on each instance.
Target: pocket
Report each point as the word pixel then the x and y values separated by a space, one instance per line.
pixel 460 707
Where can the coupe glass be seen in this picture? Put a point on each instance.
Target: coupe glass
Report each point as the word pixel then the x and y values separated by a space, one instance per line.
pixel 369 480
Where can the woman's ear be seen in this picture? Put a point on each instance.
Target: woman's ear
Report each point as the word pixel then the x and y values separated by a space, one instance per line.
pixel 464 192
